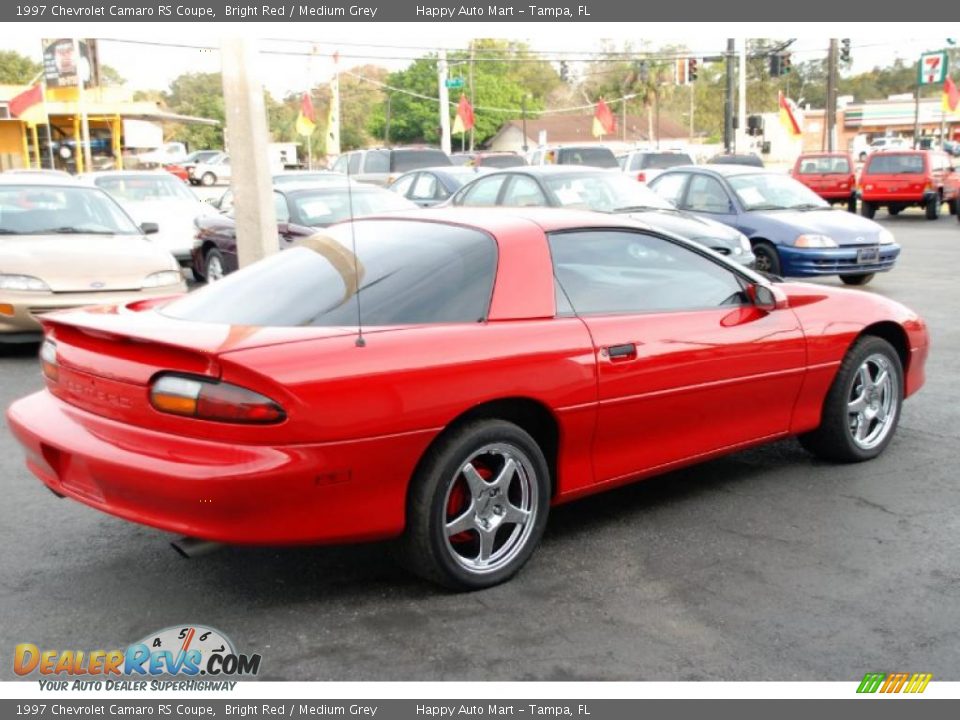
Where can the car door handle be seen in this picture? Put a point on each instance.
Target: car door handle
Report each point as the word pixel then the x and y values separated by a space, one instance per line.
pixel 621 353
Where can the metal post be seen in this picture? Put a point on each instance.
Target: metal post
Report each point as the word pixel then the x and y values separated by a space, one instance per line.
pixel 656 102
pixel 523 120
pixel 386 126
pixel 740 138
pixel 444 102
pixel 690 142
pixel 831 111
pixel 728 101
pixel 255 217
pixel 473 94
pixel 916 112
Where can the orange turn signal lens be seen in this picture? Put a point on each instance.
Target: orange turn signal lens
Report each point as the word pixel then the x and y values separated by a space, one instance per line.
pixel 7 309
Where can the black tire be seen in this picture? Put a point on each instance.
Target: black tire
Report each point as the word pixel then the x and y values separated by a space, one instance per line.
pixel 894 210
pixel 861 279
pixel 852 203
pixel 426 548
pixel 952 206
pixel 208 179
pixel 868 209
pixel 834 439
pixel 933 208
pixel 768 261
pixel 211 259
pixel 197 276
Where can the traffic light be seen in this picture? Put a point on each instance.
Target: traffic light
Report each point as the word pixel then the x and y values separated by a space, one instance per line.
pixel 775 65
pixel 845 50
pixel 691 69
pixel 564 71
pixel 785 64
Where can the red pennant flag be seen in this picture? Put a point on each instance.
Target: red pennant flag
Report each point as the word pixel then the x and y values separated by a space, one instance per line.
pixel 951 95
pixel 26 105
pixel 306 108
pixel 604 123
pixel 465 112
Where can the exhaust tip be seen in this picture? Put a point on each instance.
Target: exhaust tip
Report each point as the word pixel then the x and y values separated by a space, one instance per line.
pixel 188 547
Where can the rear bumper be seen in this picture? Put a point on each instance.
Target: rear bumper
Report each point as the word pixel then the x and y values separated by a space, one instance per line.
pixel 27 306
pixel 897 198
pixel 244 494
pixel 813 262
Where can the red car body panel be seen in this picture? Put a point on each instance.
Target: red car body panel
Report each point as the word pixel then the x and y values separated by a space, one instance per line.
pixel 829 186
pixel 358 419
pixel 909 188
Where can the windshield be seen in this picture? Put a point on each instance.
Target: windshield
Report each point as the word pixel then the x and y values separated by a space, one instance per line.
pixel 604 192
pixel 594 157
pixel 145 188
pixel 899 164
pixel 40 210
pixel 317 209
pixel 770 191
pixel 405 160
pixel 501 161
pixel 825 165
pixel 662 161
pixel 409 272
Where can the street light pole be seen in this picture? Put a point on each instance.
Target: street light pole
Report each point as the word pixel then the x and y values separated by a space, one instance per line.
pixel 728 100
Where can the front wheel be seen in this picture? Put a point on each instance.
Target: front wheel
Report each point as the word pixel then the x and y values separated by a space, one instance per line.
pixel 213 264
pixel 952 206
pixel 861 279
pixel 933 208
pixel 768 261
pixel 868 209
pixel 477 507
pixel 208 179
pixel 852 203
pixel 862 407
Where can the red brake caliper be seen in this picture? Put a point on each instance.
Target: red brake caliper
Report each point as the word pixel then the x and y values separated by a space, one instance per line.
pixel 459 501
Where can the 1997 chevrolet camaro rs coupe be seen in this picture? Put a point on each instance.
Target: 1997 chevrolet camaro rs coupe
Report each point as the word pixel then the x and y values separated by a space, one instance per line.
pixel 507 361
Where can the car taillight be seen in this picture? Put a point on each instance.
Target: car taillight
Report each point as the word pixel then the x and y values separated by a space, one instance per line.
pixel 48 360
pixel 642 177
pixel 212 400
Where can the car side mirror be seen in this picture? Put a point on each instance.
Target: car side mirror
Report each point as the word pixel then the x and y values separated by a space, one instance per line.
pixel 149 228
pixel 766 297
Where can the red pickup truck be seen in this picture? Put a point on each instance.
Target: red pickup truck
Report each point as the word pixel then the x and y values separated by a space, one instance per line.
pixel 832 176
pixel 904 178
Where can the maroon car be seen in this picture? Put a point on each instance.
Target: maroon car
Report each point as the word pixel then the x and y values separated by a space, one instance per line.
pixel 300 211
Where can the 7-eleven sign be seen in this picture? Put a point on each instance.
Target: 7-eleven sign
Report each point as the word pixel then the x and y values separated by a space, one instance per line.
pixel 933 68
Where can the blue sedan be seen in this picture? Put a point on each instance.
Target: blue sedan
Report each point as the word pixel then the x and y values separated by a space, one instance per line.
pixel 793 231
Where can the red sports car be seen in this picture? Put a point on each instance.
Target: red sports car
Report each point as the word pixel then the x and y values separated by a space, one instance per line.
pixel 508 361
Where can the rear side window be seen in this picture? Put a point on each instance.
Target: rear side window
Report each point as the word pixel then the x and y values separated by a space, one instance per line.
pixel 409 272
pixel 377 161
pixel 899 164
pixel 824 166
pixel 405 160
pixel 659 161
pixel 501 161
pixel 593 157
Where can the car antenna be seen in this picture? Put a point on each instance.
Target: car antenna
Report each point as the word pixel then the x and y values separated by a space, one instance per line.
pixel 356 266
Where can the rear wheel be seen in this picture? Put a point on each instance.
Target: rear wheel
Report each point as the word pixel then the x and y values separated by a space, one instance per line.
pixel 952 206
pixel 862 407
pixel 768 260
pixel 208 179
pixel 862 279
pixel 478 506
pixel 894 210
pixel 852 203
pixel 933 208
pixel 213 264
pixel 868 209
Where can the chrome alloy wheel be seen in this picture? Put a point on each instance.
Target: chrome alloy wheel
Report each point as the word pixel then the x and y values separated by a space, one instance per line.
pixel 872 403
pixel 214 268
pixel 490 508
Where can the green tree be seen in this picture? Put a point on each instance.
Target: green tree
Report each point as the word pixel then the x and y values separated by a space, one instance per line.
pixel 198 95
pixel 17 69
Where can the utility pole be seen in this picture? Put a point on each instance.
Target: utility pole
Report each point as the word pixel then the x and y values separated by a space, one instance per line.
pixel 473 94
pixel 386 125
pixel 523 120
pixel 690 142
pixel 255 217
pixel 728 100
pixel 741 136
pixel 444 102
pixel 82 107
pixel 832 96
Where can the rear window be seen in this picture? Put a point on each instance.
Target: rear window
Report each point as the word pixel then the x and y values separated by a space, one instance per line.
pixel 899 164
pixel 319 208
pixel 659 161
pixel 594 157
pixel 406 160
pixel 824 166
pixel 501 161
pixel 410 273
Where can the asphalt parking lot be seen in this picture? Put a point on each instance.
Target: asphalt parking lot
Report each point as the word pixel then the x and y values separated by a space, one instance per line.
pixel 766 565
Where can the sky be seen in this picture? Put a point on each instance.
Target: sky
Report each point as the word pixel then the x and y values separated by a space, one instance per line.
pixel 151 66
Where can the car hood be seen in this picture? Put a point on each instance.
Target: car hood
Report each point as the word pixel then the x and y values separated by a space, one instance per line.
pixel 690 226
pixel 81 263
pixel 173 217
pixel 844 227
